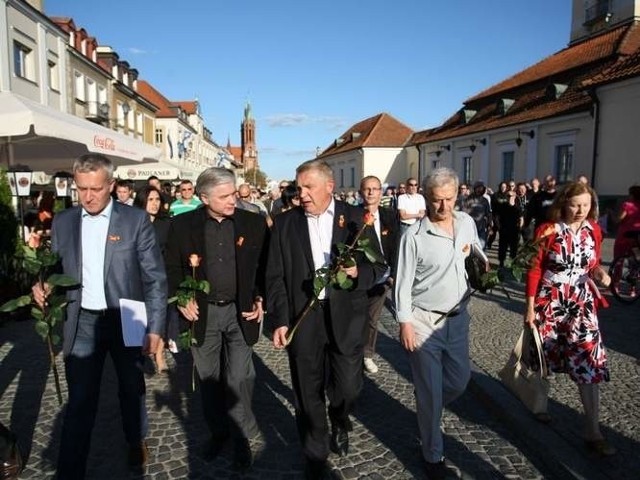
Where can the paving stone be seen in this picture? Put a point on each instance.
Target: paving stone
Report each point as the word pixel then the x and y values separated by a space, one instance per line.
pixel 488 433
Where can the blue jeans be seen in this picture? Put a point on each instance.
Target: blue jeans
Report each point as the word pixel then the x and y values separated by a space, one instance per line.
pixel 99 333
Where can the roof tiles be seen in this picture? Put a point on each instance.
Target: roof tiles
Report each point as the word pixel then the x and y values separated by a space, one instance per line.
pixel 381 130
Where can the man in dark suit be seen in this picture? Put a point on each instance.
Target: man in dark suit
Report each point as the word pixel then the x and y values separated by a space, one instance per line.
pixel 232 246
pixel 304 240
pixel 387 228
pixel 112 250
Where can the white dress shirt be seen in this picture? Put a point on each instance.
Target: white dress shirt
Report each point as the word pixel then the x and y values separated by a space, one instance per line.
pixel 94 241
pixel 320 235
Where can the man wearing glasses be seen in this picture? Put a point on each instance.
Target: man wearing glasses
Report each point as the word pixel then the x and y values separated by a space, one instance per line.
pixel 187 200
pixel 411 205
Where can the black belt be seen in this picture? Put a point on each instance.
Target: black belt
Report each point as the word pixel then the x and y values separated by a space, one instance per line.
pixel 101 311
pixel 220 303
pixel 455 313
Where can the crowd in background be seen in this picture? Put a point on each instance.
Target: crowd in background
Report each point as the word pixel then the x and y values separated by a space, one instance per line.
pixel 412 229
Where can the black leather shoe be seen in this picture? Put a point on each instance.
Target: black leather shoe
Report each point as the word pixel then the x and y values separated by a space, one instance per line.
pixel 339 441
pixel 435 471
pixel 242 457
pixel 213 447
pixel 138 455
pixel 316 470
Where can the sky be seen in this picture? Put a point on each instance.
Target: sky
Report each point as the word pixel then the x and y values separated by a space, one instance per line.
pixel 311 69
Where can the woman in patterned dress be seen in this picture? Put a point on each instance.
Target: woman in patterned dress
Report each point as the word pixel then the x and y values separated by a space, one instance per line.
pixel 562 300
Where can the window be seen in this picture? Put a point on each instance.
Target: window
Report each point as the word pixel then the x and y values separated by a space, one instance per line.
pixel 435 164
pixel 54 80
pixel 507 165
pixel 92 91
pixel 353 177
pixel 102 97
pixel 139 123
pixel 466 169
pixel 79 86
pixel 341 178
pixel 23 65
pixel 121 114
pixel 563 162
pixel 130 120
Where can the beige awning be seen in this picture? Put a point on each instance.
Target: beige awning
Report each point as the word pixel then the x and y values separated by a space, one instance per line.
pixel 49 140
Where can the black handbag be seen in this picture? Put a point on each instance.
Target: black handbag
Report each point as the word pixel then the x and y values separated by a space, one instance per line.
pixel 475 265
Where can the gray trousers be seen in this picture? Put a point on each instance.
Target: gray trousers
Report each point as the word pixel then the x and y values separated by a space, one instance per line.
pixel 376 296
pixel 441 370
pixel 226 374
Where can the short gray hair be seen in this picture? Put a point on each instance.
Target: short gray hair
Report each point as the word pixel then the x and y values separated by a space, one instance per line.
pixel 92 162
pixel 318 165
pixel 438 178
pixel 212 177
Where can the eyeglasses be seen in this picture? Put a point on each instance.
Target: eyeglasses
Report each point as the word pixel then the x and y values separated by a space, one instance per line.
pixel 412 184
pixel 186 189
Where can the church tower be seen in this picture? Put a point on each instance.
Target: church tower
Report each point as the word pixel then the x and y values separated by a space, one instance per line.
pixel 248 139
pixel 593 17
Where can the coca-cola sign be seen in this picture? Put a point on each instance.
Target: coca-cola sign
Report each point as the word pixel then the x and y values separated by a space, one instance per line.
pixel 104 143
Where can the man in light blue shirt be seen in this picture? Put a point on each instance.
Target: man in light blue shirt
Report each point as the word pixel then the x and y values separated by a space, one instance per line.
pixel 111 249
pixel 431 293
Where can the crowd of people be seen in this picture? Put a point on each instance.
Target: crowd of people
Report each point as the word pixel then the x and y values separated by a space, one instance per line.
pixel 259 256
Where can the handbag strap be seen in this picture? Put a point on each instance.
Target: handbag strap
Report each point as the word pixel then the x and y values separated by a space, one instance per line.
pixel 519 348
pixel 538 341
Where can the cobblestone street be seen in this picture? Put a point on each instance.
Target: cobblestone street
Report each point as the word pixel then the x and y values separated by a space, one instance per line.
pixel 488 433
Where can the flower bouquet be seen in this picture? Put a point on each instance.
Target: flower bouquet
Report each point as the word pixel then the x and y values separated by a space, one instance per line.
pixel 39 262
pixel 184 294
pixel 334 275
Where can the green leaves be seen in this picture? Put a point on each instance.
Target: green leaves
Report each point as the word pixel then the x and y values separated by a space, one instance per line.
pixel 42 329
pixel 186 340
pixel 39 262
pixel 334 275
pixel 16 303
pixel 187 290
pixel 59 280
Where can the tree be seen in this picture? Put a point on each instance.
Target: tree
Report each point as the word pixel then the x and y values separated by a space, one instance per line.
pixel 256 177
pixel 8 242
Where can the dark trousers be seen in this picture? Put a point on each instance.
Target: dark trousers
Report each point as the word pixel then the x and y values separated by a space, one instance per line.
pixel 317 366
pixel 97 335
pixel 509 239
pixel 377 296
pixel 226 374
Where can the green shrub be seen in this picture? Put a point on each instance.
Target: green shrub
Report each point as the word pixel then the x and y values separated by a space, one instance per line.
pixel 8 242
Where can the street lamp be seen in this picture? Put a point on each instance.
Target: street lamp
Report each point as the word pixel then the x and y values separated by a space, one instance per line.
pixel 20 184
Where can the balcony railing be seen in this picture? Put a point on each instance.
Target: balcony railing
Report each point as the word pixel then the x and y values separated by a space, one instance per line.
pixel 96 111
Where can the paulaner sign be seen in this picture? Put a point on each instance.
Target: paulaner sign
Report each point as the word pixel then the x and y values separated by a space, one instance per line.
pixel 133 173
